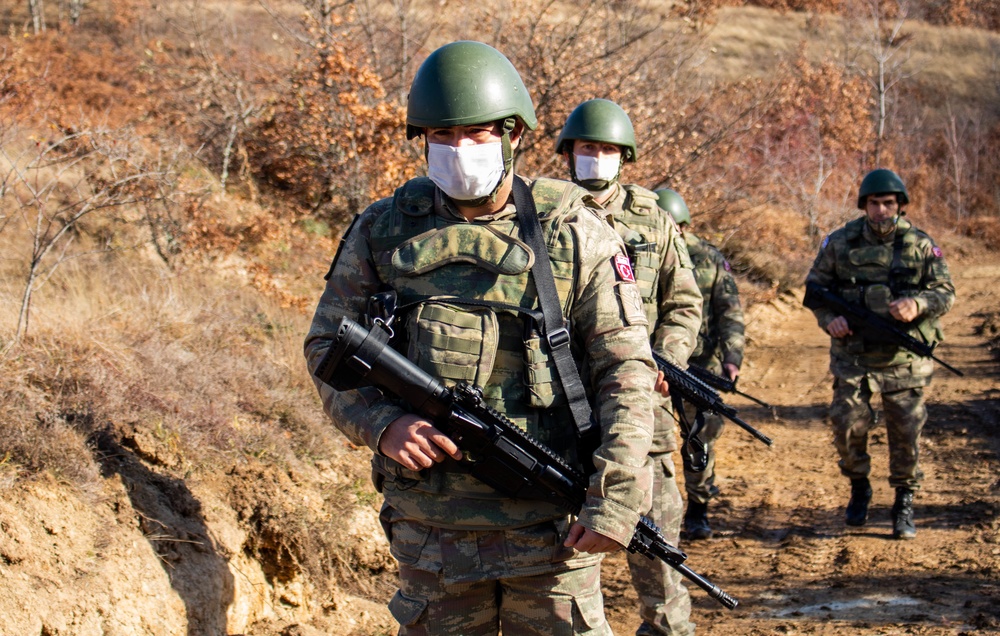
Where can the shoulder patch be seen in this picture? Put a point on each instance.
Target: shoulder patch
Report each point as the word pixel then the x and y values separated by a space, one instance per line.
pixel 937 252
pixel 623 268
pixel 826 240
pixel 726 266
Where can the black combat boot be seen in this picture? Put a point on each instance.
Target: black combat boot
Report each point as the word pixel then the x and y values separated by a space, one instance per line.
pixel 857 507
pixel 902 515
pixel 696 521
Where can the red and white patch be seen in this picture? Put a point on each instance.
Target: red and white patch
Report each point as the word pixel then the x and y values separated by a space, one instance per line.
pixel 624 268
pixel 937 252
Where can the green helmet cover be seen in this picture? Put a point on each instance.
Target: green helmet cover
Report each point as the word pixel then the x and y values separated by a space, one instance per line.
pixel 466 83
pixel 598 120
pixel 673 203
pixel 882 181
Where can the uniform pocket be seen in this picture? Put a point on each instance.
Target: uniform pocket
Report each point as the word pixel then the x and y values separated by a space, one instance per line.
pixel 407 538
pixel 406 611
pixel 588 614
pixel 455 344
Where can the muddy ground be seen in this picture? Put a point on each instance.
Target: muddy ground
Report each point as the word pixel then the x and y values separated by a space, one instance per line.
pixel 781 546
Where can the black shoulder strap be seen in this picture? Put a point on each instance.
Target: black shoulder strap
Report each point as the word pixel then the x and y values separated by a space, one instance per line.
pixel 554 327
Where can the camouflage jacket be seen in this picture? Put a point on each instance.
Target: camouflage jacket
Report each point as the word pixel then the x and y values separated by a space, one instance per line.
pixel 417 244
pixel 721 339
pixel 863 268
pixel 663 271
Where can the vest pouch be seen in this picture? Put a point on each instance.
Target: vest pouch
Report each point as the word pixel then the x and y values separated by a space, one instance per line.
pixel 930 331
pixel 645 267
pixel 452 343
pixel 877 299
pixel 541 378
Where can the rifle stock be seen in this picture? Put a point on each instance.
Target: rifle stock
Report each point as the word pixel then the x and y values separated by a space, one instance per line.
pixel 507 458
pixel 864 319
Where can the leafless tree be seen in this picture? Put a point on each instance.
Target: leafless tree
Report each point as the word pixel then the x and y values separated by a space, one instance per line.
pixel 55 186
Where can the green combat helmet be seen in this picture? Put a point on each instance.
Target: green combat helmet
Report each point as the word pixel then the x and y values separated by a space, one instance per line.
pixel 598 120
pixel 882 181
pixel 466 83
pixel 674 204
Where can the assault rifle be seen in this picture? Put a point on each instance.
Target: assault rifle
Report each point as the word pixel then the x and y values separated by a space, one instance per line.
pixel 502 455
pixel 865 320
pixel 720 383
pixel 701 396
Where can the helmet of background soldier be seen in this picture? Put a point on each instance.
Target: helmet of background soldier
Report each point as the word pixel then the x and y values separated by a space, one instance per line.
pixel 466 83
pixel 598 120
pixel 674 204
pixel 882 181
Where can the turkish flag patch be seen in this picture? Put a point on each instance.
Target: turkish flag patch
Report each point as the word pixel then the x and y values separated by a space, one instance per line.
pixel 937 252
pixel 624 268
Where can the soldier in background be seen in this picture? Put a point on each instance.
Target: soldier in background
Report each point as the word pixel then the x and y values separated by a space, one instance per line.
pixel 596 141
pixel 883 262
pixel 472 560
pixel 720 350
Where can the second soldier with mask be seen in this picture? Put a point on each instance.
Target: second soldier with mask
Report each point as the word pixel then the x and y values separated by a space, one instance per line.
pixel 597 140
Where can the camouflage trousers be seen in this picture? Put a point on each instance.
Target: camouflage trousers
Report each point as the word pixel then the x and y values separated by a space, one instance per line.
pixel 853 417
pixel 664 601
pixel 519 581
pixel 698 484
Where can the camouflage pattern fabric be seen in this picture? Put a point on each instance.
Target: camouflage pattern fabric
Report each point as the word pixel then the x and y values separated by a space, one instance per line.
pixel 443 590
pixel 419 245
pixel 856 263
pixel 663 270
pixel 721 340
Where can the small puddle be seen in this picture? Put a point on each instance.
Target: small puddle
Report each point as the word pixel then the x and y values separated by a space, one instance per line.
pixel 846 607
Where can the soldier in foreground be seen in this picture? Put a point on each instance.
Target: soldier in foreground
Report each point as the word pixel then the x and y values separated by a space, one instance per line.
pixel 453 247
pixel 883 263
pixel 596 141
pixel 720 350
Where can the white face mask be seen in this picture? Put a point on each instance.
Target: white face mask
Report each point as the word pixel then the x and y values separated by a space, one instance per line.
pixel 465 172
pixel 603 168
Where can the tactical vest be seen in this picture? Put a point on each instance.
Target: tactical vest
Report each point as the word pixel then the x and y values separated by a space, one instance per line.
pixel 641 227
pixel 873 275
pixel 468 302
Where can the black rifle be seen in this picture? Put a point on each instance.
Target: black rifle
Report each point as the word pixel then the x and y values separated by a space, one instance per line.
pixel 700 395
pixel 506 458
pixel 720 383
pixel 865 320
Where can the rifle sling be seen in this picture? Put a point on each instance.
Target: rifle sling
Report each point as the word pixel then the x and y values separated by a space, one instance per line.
pixel 554 326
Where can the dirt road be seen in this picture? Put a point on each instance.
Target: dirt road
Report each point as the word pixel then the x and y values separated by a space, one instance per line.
pixel 781 546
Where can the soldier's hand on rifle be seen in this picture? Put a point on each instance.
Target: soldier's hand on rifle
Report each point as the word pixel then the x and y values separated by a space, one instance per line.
pixel 904 309
pixel 415 443
pixel 586 540
pixel 838 327
pixel 731 370
pixel 661 385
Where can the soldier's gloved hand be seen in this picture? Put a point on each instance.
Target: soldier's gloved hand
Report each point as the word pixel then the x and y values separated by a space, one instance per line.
pixel 586 540
pixel 838 327
pixel 661 386
pixel 415 443
pixel 732 371
pixel 904 309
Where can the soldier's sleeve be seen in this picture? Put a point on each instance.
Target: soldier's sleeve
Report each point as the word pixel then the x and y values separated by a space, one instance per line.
pixel 727 312
pixel 824 272
pixel 680 303
pixel 363 414
pixel 937 293
pixel 610 326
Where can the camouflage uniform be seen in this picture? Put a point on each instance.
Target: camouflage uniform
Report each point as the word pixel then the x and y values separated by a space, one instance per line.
pixel 472 560
pixel 720 341
pixel 855 263
pixel 670 295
